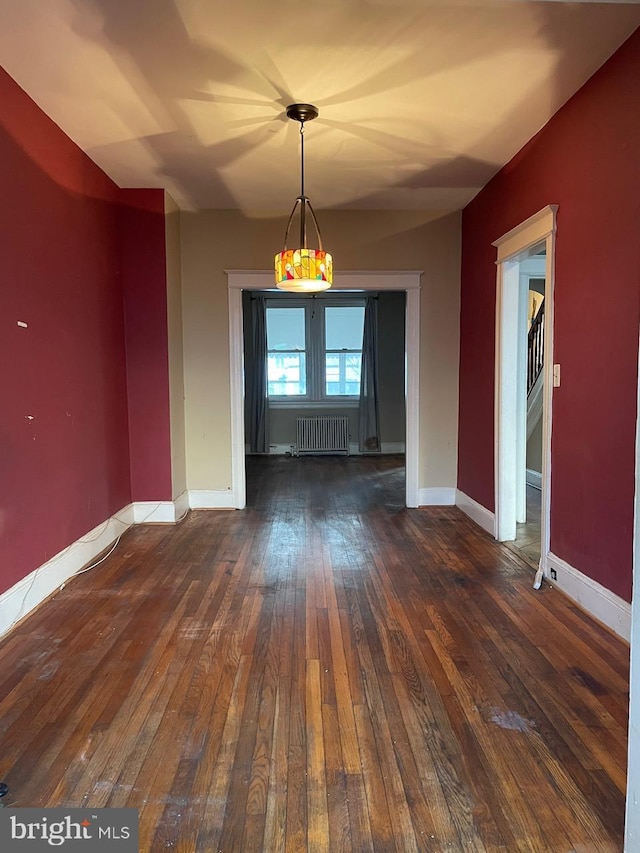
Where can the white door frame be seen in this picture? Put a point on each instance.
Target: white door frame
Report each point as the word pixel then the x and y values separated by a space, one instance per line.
pixel 508 419
pixel 406 280
pixel 533 267
pixel 632 821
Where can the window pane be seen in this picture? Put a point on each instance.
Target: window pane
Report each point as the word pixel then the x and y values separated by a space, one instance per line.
pixel 285 329
pixel 342 373
pixel 343 327
pixel 353 362
pixel 286 374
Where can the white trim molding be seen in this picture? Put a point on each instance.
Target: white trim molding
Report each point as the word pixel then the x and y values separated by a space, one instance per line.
pixel 533 230
pixel 154 512
pixel 476 512
pixel 632 821
pixel 437 496
pixel 392 447
pixel 345 280
pixel 597 600
pixel 211 499
pixel 534 478
pixel 181 505
pixel 28 593
pixel 510 431
pixel 274 450
pixel 387 448
pixel 406 280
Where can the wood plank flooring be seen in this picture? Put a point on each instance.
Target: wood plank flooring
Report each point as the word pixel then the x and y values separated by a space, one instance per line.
pixel 529 533
pixel 323 671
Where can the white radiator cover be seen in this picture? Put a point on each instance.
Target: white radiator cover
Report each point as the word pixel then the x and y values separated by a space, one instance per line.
pixel 322 434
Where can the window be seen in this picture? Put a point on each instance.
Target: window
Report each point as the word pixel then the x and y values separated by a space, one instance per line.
pixel 343 327
pixel 286 345
pixel 314 349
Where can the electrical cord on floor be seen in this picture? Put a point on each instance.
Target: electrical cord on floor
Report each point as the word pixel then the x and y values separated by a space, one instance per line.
pixel 4 788
pixel 97 562
pixel 52 562
pixel 537 583
pixel 81 571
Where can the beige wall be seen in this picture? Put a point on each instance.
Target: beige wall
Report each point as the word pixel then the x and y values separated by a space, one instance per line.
pixel 216 240
pixel 174 324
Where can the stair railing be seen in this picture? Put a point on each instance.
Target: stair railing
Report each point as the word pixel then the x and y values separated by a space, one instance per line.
pixel 535 348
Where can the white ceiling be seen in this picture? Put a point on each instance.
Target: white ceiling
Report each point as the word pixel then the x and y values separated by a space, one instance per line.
pixel 420 102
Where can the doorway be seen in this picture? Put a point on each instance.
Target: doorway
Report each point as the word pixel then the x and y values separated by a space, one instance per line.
pixel 530 267
pixel 523 399
pixel 302 381
pixel 408 281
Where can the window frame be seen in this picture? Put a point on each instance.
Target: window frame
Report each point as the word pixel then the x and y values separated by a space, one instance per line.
pixel 316 351
pixel 292 303
pixel 337 303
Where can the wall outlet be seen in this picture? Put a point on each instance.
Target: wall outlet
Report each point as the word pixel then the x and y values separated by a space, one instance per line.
pixel 553 574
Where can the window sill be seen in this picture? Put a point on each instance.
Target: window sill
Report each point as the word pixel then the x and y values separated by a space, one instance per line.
pixel 351 403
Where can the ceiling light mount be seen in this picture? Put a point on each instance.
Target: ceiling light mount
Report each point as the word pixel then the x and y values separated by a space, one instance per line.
pixel 303 270
pixel 302 112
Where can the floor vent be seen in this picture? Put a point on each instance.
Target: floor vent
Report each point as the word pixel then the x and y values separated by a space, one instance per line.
pixel 323 434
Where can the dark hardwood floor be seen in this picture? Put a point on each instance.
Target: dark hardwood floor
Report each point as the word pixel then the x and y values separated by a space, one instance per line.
pixel 323 671
pixel 529 533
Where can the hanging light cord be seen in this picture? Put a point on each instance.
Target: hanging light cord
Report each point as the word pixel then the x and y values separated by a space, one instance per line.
pixel 303 198
pixel 304 203
pixel 302 159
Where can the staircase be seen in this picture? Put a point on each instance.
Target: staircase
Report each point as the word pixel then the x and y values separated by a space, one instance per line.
pixel 535 387
pixel 535 362
pixel 535 348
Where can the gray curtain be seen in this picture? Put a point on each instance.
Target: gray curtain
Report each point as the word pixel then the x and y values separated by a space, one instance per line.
pixel 368 415
pixel 257 389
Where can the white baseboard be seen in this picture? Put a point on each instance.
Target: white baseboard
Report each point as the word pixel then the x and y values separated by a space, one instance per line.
pixel 387 447
pixel 211 499
pixel 160 512
pixel 181 505
pixel 476 512
pixel 23 596
pixel 440 496
pixel 600 602
pixel 392 447
pixel 154 512
pixel 534 478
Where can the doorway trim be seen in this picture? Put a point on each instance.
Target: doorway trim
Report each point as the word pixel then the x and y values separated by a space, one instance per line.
pixel 406 280
pixel 632 814
pixel 541 227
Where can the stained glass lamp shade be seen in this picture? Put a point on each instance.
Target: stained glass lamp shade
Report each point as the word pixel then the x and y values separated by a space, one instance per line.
pixel 304 270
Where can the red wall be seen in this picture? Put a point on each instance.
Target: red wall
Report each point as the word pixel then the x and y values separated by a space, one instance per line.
pixel 143 248
pixel 64 413
pixel 586 160
pixel 64 450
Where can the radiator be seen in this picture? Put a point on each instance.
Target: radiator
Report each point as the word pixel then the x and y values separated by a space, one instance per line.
pixel 323 434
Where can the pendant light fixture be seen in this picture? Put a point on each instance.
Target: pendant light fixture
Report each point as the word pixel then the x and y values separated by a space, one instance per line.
pixel 303 270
